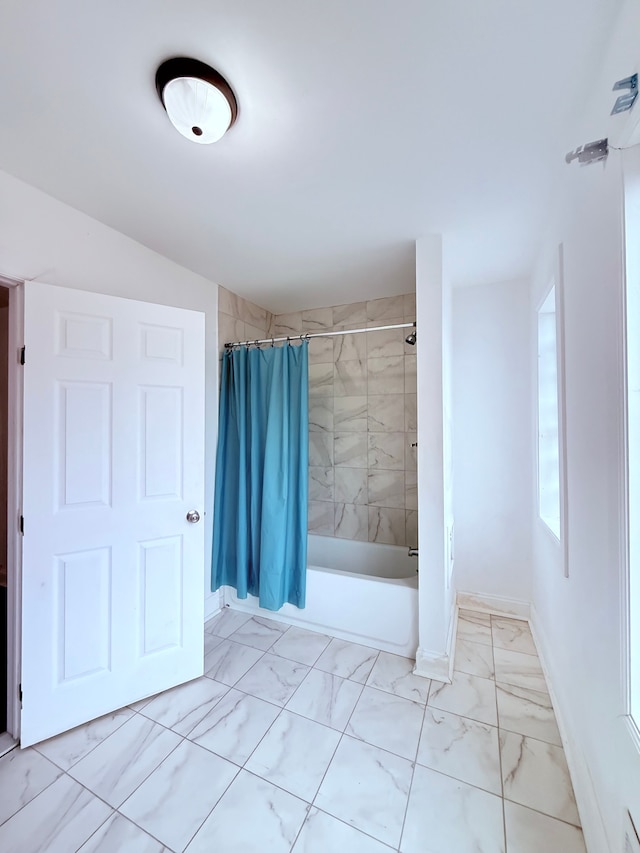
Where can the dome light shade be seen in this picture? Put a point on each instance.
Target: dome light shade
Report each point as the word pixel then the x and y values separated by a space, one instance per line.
pixel 198 100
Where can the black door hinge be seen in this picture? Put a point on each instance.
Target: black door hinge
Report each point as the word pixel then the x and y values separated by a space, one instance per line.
pixel 22 355
pixel 21 523
pixel 20 693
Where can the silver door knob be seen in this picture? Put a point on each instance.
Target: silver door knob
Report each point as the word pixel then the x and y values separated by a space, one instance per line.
pixel 193 516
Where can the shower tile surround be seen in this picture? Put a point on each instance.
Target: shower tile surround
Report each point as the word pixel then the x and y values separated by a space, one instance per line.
pixel 362 420
pixel 336 746
pixel 240 320
pixel 362 412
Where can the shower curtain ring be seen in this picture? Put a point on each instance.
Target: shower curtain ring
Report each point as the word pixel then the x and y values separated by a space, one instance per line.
pixel 288 341
pixel 272 343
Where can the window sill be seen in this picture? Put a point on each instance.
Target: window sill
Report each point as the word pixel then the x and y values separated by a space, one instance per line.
pixel 552 526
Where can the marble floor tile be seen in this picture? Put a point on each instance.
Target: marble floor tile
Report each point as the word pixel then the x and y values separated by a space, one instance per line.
pixel 532 832
pixel 462 748
pixel 448 816
pixel 211 642
pixel 183 707
pixel 394 674
pixel 475 627
pixel 252 815
pixel 273 679
pixel 6 743
pixel 519 670
pixel 260 633
pixel 24 773
pixel 68 748
pixel 301 645
pixel 468 696
pixel 140 704
pixel 527 712
pixel 368 789
pixel 235 726
pixel 58 820
pixel 230 661
pixel 512 634
pixel 474 659
pixel 387 721
pixel 174 801
pixel 535 774
pixel 119 834
pixel 226 622
pixel 348 660
pixel 326 699
pixel 294 755
pixel 322 833
pixel 115 768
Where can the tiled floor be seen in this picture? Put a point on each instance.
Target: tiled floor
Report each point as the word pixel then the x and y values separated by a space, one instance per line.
pixel 296 742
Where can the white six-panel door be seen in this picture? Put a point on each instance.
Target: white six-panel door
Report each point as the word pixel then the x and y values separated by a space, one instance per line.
pixel 112 591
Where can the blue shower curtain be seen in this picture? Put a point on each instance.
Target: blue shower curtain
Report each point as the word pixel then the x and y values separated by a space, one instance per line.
pixel 260 515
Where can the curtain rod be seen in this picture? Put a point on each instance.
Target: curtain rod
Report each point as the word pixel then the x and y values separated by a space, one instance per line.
pixel 304 336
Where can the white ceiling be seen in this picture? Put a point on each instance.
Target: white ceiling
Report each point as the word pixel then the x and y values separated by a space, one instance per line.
pixel 363 125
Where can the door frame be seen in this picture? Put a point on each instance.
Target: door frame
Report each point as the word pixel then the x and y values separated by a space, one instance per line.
pixel 14 502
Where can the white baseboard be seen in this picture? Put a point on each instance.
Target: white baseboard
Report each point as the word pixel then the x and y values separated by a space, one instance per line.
pixel 439 667
pixel 593 826
pixel 495 604
pixel 212 605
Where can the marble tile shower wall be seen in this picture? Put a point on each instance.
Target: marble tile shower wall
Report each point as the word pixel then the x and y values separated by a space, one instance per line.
pixel 239 319
pixel 362 421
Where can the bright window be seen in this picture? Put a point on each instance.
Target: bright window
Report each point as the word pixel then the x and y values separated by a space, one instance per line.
pixel 548 420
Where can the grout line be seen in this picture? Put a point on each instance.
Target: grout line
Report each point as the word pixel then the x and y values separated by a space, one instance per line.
pixel 217 802
pixel 98 828
pixel 504 815
pixel 46 787
pixel 82 725
pixel 413 773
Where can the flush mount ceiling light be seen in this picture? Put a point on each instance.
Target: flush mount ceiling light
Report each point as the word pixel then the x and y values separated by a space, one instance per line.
pixel 198 100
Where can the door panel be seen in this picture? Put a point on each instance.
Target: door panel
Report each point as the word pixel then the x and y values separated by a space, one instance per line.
pixel 161 419
pixel 85 443
pixel 82 587
pixel 113 461
pixel 160 592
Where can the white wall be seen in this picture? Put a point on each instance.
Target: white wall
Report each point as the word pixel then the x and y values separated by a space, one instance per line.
pixel 433 657
pixel 492 440
pixel 579 619
pixel 45 240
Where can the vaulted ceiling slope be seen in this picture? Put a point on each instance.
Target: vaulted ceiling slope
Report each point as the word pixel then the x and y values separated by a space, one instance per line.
pixel 363 124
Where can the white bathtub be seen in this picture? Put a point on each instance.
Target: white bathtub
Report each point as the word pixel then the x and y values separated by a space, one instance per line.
pixel 358 591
